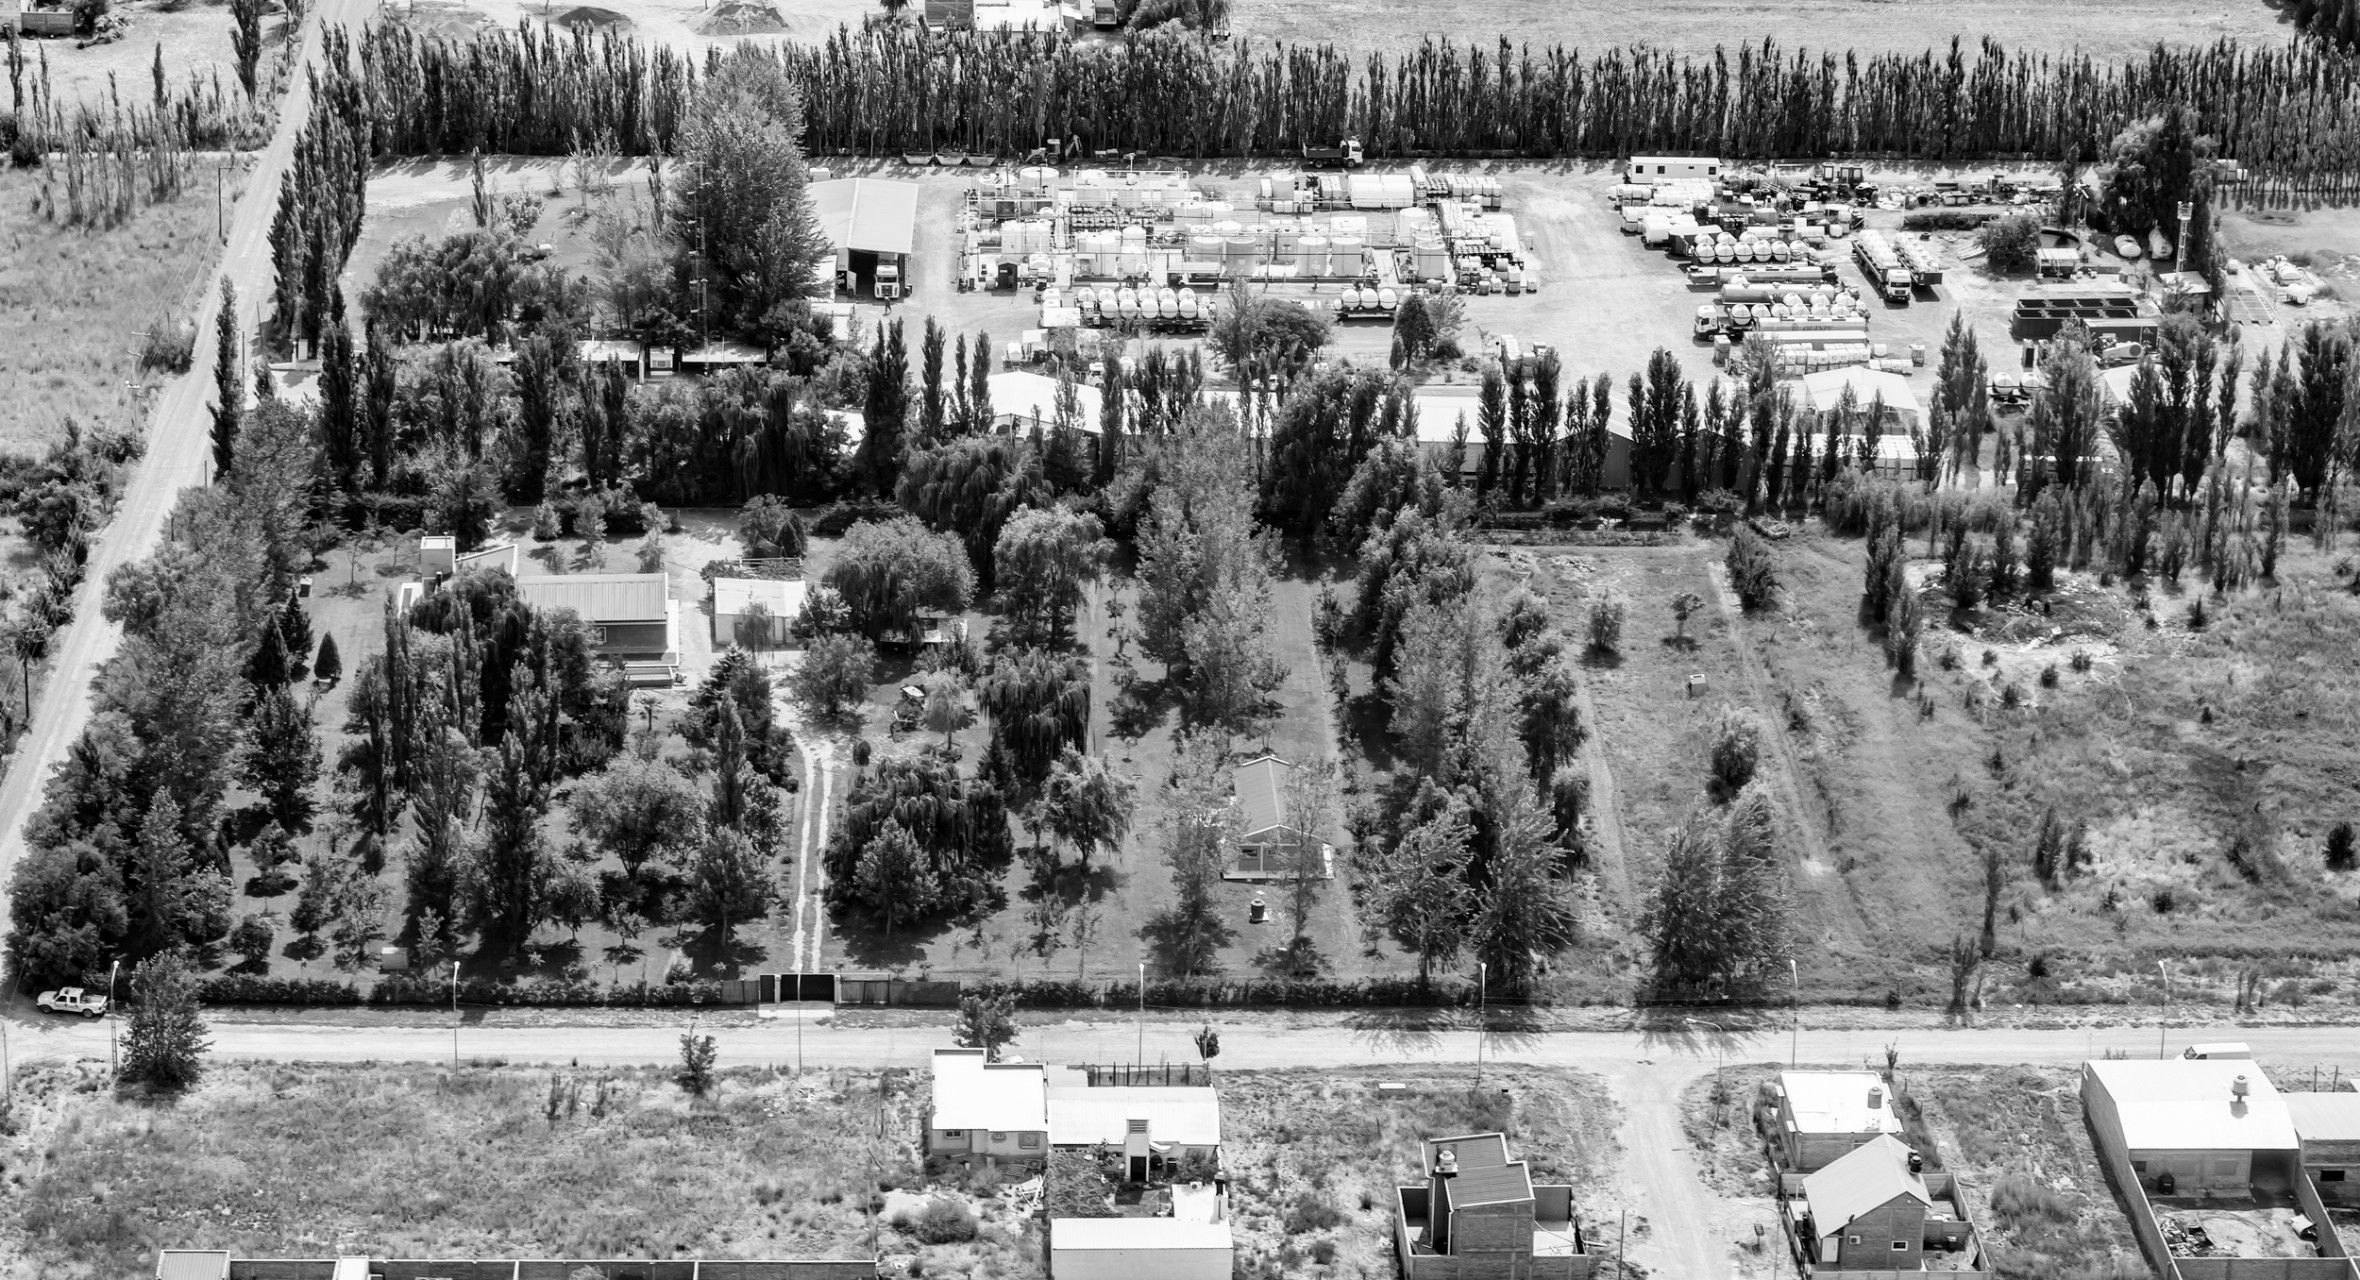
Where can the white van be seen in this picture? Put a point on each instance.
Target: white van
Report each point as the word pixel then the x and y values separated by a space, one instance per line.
pixel 2226 1049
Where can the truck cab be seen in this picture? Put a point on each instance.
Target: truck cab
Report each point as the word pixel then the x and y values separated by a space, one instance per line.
pixel 888 280
pixel 1105 14
pixel 1894 285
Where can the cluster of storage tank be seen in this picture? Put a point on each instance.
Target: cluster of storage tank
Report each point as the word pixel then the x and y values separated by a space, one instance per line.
pixel 1128 303
pixel 1724 249
pixel 1790 301
pixel 1365 297
pixel 1099 189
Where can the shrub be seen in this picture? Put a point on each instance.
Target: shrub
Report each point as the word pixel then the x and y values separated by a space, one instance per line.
pixel 944 1221
pixel 2048 676
pixel 2022 1202
pixel 2081 661
pixel 251 940
pixel 1737 751
pixel 696 1063
pixel 2010 244
pixel 1312 1212
pixel 1752 572
pixel 1606 623
pixel 1947 219
pixel 2340 856
pixel 168 345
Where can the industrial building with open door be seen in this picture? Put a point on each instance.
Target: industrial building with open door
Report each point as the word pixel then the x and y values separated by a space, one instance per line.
pixel 872 222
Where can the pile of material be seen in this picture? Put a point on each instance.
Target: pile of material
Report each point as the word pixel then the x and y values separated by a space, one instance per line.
pixel 587 18
pixel 743 18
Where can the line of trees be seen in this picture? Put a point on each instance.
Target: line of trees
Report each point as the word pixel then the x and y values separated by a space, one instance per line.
pixel 2287 110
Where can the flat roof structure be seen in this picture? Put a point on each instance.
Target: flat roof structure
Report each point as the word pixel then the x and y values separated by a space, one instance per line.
pixel 1032 397
pixel 1822 390
pixel 973 1093
pixel 1838 1101
pixel 2324 1117
pixel 1069 1235
pixel 1186 1116
pixel 868 215
pixel 2192 1104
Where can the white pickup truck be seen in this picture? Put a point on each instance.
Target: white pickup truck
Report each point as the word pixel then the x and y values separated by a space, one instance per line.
pixel 72 1000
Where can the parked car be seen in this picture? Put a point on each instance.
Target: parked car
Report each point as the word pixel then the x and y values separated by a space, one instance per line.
pixel 72 1000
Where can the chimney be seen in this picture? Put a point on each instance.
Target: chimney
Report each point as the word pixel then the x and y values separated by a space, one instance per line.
pixel 1446 1168
pixel 2238 1088
pixel 1917 1163
pixel 1876 1096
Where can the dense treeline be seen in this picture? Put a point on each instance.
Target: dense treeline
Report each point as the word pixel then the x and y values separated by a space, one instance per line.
pixel 2291 111
pixel 2334 21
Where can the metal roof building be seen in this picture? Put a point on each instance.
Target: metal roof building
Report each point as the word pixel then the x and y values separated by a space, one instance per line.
pixel 1865 1179
pixel 2194 1104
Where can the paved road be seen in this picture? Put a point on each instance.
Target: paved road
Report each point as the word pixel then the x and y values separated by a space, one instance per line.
pixel 179 452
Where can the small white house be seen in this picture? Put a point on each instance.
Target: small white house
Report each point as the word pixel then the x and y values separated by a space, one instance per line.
pixel 1139 1249
pixel 781 602
pixel 985 1108
pixel 1825 1115
pixel 1148 1124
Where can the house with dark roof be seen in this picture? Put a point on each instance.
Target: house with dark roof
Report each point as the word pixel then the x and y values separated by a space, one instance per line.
pixel 1479 1215
pixel 1877 1208
pixel 1271 842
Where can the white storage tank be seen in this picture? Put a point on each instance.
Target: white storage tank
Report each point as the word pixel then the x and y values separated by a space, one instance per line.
pixel 1311 255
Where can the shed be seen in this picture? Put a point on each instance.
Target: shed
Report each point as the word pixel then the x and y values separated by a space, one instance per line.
pixel 1439 410
pixel 1022 401
pixel 2211 1125
pixel 2056 262
pixel 873 224
pixel 781 599
pixel 1266 848
pixel 1672 168
pixel 1825 389
pixel 2328 1127
pixel 1139 1249
pixel 631 615
pixel 192 1264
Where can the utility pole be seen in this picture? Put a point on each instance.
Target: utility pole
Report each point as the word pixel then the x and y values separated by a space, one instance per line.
pixel 1482 1008
pixel 1141 1060
pixel 1794 1052
pixel 2165 1026
pixel 114 1059
pixel 454 1013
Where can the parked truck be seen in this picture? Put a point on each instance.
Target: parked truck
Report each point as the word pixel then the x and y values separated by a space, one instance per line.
pixel 71 1000
pixel 1105 14
pixel 1883 267
pixel 1344 155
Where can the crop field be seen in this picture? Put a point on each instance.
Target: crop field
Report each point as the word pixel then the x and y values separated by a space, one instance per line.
pixel 488 1161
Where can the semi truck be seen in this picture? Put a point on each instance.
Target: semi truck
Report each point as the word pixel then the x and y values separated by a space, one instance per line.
pixel 1883 267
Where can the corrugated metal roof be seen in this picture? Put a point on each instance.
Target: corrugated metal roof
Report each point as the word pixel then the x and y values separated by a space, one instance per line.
pixel 1190 1116
pixel 2190 1104
pixel 1862 1179
pixel 1261 793
pixel 868 215
pixel 1083 1235
pixel 599 598
pixel 970 1093
pixel 2325 1117
pixel 1501 1184
pixel 192 1264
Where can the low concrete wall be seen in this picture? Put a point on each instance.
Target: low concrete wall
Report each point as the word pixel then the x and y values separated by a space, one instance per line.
pixel 2264 1268
pixel 561 1269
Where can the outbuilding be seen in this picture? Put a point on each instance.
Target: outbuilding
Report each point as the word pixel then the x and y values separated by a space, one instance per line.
pixel 1139 1249
pixel 1672 169
pixel 1825 1115
pixel 2190 1125
pixel 632 616
pixel 1022 401
pixel 1824 390
pixel 2328 1126
pixel 872 222
pixel 735 621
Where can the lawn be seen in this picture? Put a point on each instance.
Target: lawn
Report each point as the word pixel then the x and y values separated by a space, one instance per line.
pixel 73 304
pixel 274 1160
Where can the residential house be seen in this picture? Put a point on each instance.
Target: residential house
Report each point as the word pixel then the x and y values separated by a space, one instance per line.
pixel 1151 1125
pixel 1192 1242
pixel 986 1108
pixel 2327 1125
pixel 1269 847
pixel 632 616
pixel 2192 1125
pixel 1822 1115
pixel 1874 1208
pixel 1479 1217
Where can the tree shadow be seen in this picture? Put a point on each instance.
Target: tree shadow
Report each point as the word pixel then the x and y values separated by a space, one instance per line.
pixel 1370 722
pixel 1703 1031
pixel 1137 711
pixel 873 949
pixel 1598 659
pixel 305 946
pixel 1681 643
pixel 708 954
pixel 1402 1031
pixel 1176 950
pixel 1298 958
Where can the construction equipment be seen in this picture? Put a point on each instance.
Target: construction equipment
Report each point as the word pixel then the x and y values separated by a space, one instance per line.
pixel 1883 267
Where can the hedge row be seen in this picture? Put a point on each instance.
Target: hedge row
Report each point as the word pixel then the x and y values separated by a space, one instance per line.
pixel 414 990
pixel 1210 993
pixel 1947 219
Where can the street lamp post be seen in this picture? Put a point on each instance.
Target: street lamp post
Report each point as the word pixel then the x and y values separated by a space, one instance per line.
pixel 1141 1061
pixel 2165 1025
pixel 1794 1052
pixel 1482 1010
pixel 114 1059
pixel 454 1013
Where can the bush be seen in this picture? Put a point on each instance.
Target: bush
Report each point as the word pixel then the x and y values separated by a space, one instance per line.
pixel 2081 661
pixel 168 344
pixel 832 522
pixel 251 940
pixel 2011 244
pixel 944 1221
pixel 836 670
pixel 1753 575
pixel 2048 676
pixel 1737 751
pixel 1312 1212
pixel 1606 624
pixel 239 988
pixel 1946 219
pixel 2340 856
pixel 2021 1201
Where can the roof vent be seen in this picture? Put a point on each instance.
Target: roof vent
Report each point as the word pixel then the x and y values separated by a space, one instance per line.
pixel 1446 1163
pixel 2238 1088
pixel 1876 1096
pixel 1917 1163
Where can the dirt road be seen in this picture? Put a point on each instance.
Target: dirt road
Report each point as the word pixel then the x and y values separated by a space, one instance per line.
pixel 178 455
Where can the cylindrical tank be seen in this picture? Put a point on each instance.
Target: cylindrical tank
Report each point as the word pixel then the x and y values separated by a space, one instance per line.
pixel 1311 255
pixel 1167 304
pixel 1388 299
pixel 1188 304
pixel 1344 254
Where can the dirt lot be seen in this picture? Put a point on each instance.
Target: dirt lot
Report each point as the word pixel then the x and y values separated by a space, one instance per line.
pixel 2013 1136
pixel 194 37
pixel 487 1161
